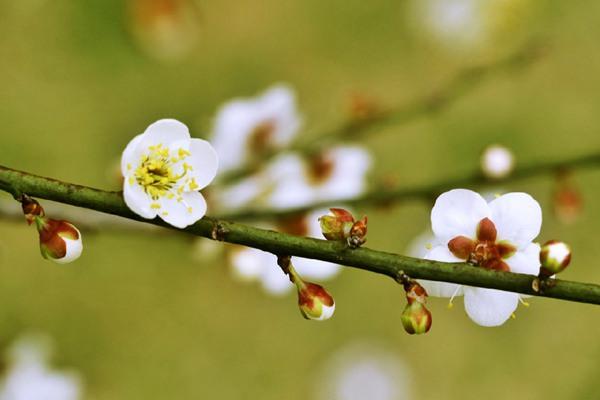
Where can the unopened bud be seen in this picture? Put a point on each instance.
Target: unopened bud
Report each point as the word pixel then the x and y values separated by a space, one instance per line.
pixel 555 256
pixel 314 301
pixel 341 225
pixel 415 292
pixel 416 318
pixel 497 162
pixel 337 225
pixel 31 208
pixel 60 241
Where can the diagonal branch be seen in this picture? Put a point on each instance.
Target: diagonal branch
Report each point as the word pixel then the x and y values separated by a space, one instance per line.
pixel 464 82
pixel 392 265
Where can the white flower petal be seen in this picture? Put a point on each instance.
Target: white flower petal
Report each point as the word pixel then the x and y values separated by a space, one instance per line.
pixel 249 263
pixel 238 119
pixel 518 218
pixel 204 162
pixel 457 213
pixel 316 269
pixel 348 178
pixel 442 253
pixel 526 261
pixel 165 131
pixel 441 289
pixel 131 155
pixel 274 281
pixel 422 244
pixel 183 213
pixel 240 194
pixel 137 199
pixel 279 103
pixel 489 307
pixel 74 249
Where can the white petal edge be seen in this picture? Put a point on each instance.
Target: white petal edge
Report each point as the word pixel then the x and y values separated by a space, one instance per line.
pixel 518 218
pixel 526 261
pixel 489 307
pixel 441 289
pixel 165 131
pixel 326 312
pixel 74 249
pixel 457 213
pixel 186 212
pixel 131 155
pixel 274 281
pixel 247 263
pixel 137 200
pixel 204 161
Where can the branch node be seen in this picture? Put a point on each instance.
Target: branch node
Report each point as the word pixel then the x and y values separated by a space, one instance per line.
pixel 218 232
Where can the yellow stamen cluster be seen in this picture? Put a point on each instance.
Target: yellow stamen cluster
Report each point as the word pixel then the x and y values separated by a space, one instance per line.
pixel 155 174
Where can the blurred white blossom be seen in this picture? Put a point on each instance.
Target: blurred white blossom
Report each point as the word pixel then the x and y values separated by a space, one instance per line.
pixel 248 127
pixel 497 161
pixel 30 378
pixel 251 264
pixel 363 371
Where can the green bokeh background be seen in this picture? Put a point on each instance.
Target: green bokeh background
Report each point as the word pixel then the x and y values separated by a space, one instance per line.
pixel 140 317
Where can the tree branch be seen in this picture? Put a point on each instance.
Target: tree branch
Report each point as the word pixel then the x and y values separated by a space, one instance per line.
pixel 429 191
pixel 456 88
pixel 392 265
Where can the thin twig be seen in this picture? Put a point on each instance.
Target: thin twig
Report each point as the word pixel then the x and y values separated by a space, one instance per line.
pixel 429 191
pixel 464 82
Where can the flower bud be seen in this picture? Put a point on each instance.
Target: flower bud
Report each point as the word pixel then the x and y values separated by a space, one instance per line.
pixel 340 225
pixel 497 162
pixel 314 301
pixel 60 241
pixel 31 209
pixel 567 199
pixel 416 318
pixel 555 256
pixel 337 225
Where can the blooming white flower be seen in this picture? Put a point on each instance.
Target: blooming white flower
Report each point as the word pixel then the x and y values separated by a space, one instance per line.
pixel 252 264
pixel 29 378
pixel 164 169
pixel 496 236
pixel 338 173
pixel 497 161
pixel 244 127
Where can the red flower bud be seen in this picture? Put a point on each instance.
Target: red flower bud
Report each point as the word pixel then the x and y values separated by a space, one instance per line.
pixel 555 256
pixel 416 318
pixel 314 301
pixel 340 225
pixel 60 241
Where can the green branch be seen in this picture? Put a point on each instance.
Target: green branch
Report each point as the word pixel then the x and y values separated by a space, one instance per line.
pixel 429 191
pixel 17 183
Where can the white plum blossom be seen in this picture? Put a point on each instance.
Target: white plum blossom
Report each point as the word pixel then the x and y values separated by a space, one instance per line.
pixel 290 180
pixel 164 169
pixel 251 264
pixel 497 235
pixel 338 173
pixel 29 377
pixel 250 126
pixel 497 161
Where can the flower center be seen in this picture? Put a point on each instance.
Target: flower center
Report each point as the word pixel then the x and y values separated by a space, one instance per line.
pixel 320 168
pixel 156 176
pixel 483 251
pixel 261 136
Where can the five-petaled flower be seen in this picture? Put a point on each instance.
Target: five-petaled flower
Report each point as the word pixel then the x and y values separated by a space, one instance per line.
pixel 495 236
pixel 247 128
pixel 164 169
